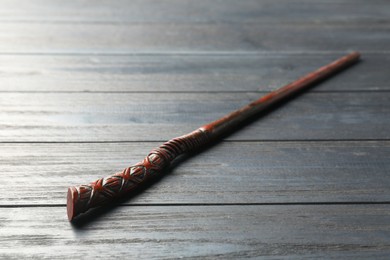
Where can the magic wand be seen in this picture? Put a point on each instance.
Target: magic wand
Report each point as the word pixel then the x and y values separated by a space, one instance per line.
pixel 101 192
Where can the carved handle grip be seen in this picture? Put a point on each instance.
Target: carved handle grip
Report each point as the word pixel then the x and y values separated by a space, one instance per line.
pixel 100 192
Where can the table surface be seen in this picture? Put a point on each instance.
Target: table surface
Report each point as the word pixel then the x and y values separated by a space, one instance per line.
pixel 90 87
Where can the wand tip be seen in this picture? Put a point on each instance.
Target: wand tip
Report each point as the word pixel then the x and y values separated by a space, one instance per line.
pixel 355 55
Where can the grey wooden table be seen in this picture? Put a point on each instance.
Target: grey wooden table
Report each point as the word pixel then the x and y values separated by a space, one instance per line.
pixel 89 87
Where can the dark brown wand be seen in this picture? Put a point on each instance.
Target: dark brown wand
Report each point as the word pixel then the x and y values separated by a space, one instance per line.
pixel 105 190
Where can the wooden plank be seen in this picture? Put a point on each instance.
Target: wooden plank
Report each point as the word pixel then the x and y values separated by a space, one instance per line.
pixel 230 172
pixel 225 232
pixel 147 38
pixel 194 11
pixel 183 73
pixel 35 175
pixel 159 117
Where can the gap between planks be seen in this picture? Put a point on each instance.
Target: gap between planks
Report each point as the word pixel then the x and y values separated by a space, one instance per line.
pixel 211 204
pixel 227 141
pixel 188 53
pixel 188 92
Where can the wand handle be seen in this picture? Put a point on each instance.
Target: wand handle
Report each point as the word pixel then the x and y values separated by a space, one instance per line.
pixel 102 191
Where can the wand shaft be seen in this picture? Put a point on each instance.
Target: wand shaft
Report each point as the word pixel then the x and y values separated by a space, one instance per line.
pixel 102 191
pixel 234 119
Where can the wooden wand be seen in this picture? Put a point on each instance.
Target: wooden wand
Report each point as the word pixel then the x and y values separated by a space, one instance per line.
pixel 101 192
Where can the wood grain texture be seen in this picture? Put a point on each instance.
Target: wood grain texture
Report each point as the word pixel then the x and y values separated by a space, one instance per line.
pixel 139 38
pixel 182 73
pixel 152 117
pixel 224 232
pixel 192 26
pixel 175 65
pixel 230 172
pixel 194 11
